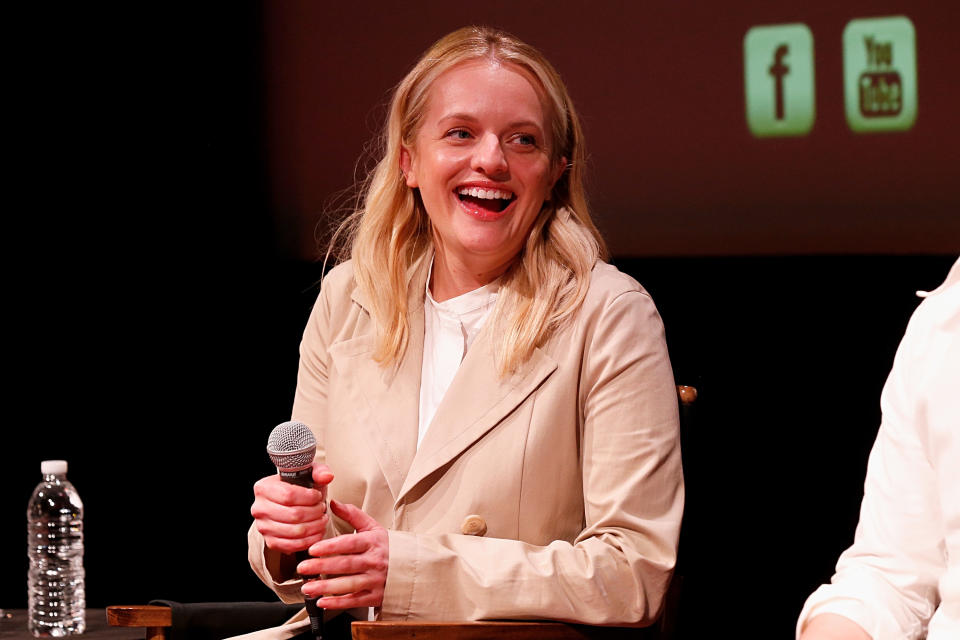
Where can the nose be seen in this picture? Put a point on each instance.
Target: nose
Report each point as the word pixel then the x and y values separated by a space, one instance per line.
pixel 488 157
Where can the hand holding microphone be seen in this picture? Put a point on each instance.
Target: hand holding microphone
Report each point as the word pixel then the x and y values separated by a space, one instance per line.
pixel 290 513
pixel 290 507
pixel 292 517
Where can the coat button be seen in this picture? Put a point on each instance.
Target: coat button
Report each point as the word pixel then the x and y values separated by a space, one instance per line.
pixel 473 525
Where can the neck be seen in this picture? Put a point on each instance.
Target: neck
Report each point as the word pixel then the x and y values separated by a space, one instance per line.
pixel 452 278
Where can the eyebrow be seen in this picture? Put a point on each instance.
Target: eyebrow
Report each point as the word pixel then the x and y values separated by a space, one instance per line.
pixel 470 118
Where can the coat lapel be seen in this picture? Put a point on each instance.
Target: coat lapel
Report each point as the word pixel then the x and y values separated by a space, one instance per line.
pixel 386 400
pixel 478 399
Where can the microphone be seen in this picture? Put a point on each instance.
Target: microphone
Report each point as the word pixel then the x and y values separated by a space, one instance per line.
pixel 291 448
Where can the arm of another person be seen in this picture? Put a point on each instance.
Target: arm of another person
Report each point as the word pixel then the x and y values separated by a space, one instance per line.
pixel 618 569
pixel 886 582
pixel 832 626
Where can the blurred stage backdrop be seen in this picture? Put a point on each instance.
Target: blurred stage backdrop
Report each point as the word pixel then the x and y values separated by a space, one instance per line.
pixel 179 169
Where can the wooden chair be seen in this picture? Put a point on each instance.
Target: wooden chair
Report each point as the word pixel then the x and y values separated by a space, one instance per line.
pixel 485 630
pixel 157 620
pixel 201 620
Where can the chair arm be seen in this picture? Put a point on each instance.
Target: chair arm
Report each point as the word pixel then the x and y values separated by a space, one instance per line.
pixel 155 619
pixel 686 394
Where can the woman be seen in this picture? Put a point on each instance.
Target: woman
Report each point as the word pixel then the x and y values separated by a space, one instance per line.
pixel 496 402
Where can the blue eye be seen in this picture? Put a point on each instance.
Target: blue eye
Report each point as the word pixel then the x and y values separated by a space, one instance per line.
pixel 458 134
pixel 526 139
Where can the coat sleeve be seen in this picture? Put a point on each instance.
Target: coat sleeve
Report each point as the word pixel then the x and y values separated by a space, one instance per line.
pixel 617 570
pixel 309 407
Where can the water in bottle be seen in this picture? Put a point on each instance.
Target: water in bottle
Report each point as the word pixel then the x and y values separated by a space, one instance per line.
pixel 55 594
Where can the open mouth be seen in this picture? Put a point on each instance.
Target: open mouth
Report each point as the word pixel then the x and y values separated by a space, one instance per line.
pixel 490 200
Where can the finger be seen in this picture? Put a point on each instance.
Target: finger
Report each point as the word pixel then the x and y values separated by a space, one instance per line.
pixel 264 509
pixel 341 565
pixel 344 544
pixel 339 585
pixel 356 517
pixel 353 600
pixel 284 545
pixel 276 490
pixel 321 474
pixel 299 531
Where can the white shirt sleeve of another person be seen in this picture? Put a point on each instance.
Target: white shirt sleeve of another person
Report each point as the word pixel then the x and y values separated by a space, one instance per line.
pixel 901 577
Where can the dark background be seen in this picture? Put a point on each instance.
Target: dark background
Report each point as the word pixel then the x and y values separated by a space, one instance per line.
pixel 171 167
pixel 674 170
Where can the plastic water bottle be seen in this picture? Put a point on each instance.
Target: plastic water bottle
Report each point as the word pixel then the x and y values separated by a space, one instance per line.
pixel 55 594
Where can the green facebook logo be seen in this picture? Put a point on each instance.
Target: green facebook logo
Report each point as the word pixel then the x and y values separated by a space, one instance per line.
pixel 778 80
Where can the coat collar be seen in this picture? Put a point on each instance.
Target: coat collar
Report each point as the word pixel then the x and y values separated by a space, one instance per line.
pixel 387 399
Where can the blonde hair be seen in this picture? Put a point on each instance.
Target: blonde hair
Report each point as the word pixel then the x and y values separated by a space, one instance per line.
pixel 390 232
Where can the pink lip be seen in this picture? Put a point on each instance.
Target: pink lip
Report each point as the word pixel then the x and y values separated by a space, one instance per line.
pixel 482 214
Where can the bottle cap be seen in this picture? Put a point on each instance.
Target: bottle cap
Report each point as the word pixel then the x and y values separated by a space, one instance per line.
pixel 53 467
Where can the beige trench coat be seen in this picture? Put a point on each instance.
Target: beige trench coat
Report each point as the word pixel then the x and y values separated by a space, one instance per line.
pixel 572 463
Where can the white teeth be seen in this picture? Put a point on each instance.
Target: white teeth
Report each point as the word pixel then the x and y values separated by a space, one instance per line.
pixel 485 194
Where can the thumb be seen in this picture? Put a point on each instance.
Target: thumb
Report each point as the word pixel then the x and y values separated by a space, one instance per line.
pixel 354 516
pixel 321 474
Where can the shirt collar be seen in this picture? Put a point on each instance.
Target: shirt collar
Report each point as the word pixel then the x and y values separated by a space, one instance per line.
pixel 952 278
pixel 465 303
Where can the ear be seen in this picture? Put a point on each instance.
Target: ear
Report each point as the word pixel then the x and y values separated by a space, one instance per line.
pixel 406 166
pixel 557 174
pixel 561 167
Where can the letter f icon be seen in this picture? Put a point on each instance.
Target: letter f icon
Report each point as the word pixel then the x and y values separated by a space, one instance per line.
pixel 778 70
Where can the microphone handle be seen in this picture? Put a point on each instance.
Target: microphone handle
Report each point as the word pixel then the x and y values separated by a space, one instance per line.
pixel 316 616
pixel 299 477
pixel 304 478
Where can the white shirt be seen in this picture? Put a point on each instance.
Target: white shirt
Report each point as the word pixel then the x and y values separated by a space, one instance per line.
pixel 901 577
pixel 450 327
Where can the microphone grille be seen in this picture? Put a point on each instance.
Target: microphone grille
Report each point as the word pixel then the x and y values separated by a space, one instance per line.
pixel 291 445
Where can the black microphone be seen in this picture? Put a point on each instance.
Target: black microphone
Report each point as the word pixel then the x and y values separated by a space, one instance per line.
pixel 292 447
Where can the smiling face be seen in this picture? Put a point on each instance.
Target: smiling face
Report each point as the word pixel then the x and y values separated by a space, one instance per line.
pixel 483 162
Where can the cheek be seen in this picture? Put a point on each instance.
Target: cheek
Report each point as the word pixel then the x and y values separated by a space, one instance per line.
pixel 539 172
pixel 445 162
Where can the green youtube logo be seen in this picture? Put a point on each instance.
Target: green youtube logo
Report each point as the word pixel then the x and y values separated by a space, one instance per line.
pixel 880 74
